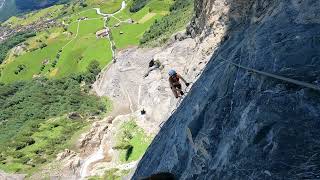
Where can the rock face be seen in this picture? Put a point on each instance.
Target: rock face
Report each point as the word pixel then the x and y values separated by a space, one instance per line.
pixel 130 91
pixel 237 125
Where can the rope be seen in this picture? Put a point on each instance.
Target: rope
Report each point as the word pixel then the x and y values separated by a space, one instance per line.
pixel 274 76
pixel 289 80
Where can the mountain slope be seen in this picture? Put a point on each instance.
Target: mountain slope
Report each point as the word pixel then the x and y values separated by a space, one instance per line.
pixel 237 125
pixel 46 80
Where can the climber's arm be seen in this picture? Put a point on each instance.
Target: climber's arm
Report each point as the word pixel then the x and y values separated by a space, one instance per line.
pixel 185 82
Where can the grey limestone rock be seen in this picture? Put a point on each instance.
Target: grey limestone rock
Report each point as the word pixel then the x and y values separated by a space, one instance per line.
pixel 234 124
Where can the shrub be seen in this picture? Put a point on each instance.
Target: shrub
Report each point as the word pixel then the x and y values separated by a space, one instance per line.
pixel 24 160
pixel 123 146
pixel 18 145
pixel 93 70
pixel 54 63
pixel 83 5
pixel 2 159
pixel 138 5
pixel 42 67
pixel 17 155
pixel 38 160
pixel 43 45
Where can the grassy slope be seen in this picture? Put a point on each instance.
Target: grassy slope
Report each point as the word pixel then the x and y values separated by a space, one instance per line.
pixel 32 61
pixel 60 130
pixel 131 134
pixel 180 14
pixel 37 110
pixel 112 174
pixel 133 32
pixel 85 47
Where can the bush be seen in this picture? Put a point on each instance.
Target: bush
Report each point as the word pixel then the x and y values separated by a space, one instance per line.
pixel 137 5
pixel 43 45
pixel 20 68
pixel 83 5
pixel 17 155
pixel 54 63
pixel 123 146
pixel 24 160
pixel 42 67
pixel 18 145
pixel 2 159
pixel 93 70
pixel 22 142
pixel 38 160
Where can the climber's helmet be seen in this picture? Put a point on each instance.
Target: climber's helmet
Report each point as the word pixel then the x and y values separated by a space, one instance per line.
pixel 172 72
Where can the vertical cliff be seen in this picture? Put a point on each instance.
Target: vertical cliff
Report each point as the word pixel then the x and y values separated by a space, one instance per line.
pixel 235 124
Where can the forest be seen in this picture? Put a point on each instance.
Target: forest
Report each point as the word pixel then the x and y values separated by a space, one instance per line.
pixel 137 5
pixel 26 107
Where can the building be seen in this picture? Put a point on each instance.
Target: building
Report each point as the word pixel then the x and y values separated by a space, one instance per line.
pixel 102 33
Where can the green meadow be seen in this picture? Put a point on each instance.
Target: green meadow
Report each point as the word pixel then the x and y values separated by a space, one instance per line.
pixel 126 34
pixel 109 7
pixel 77 40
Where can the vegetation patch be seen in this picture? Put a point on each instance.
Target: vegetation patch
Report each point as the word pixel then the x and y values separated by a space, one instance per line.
pixel 147 17
pixel 132 142
pixel 12 42
pixel 39 144
pixel 31 133
pixel 45 56
pixel 109 6
pixel 129 34
pixel 138 5
pixel 161 30
pixel 112 174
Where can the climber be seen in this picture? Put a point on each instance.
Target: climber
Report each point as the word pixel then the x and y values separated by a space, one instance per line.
pixel 175 84
pixel 153 64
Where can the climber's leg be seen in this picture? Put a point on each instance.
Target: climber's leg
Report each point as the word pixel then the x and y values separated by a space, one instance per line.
pixel 175 92
pixel 179 89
